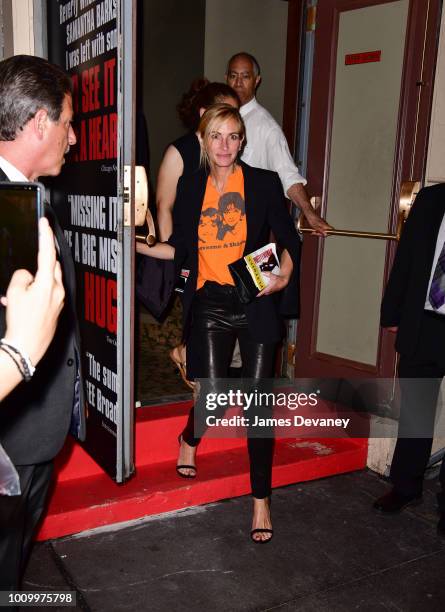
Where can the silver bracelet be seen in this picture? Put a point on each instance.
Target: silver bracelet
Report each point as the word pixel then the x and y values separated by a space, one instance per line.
pixel 14 359
pixel 27 369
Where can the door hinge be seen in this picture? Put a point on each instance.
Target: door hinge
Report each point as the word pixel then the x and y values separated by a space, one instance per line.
pixel 311 21
pixel 291 348
pixel 127 196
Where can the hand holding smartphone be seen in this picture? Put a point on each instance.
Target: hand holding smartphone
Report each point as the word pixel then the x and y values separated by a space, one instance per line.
pixel 21 207
pixel 35 302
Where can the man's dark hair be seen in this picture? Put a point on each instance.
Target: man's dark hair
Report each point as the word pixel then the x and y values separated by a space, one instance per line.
pixel 27 84
pixel 210 212
pixel 249 56
pixel 231 197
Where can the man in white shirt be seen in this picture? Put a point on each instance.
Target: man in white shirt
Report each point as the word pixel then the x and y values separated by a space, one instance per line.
pixel 266 146
pixel 413 307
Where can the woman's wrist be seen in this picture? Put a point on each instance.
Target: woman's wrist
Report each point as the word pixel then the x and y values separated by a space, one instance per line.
pixel 283 280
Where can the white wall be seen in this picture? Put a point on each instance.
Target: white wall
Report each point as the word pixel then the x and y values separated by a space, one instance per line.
pixel 258 27
pixel 22 18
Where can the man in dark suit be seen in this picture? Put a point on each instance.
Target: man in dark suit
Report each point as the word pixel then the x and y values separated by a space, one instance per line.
pixel 414 307
pixel 35 134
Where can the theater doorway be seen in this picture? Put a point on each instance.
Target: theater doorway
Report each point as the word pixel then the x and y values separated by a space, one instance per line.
pixel 177 43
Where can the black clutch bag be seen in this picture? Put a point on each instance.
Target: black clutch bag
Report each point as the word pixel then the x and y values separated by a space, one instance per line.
pixel 247 272
pixel 245 287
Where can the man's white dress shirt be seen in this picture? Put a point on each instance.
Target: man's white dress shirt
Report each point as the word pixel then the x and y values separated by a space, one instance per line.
pixel 11 171
pixel 266 146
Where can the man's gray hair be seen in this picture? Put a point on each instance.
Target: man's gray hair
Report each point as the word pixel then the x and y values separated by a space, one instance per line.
pixel 27 84
pixel 255 64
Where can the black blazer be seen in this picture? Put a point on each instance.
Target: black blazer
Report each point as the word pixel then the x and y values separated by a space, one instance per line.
pixel 265 211
pixel 36 416
pixel 404 299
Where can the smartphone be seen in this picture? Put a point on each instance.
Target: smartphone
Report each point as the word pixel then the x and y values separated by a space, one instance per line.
pixel 21 206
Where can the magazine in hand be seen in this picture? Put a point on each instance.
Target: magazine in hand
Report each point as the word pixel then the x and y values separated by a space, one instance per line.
pixel 247 272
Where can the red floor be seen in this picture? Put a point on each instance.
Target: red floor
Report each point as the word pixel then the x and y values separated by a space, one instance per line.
pixel 84 497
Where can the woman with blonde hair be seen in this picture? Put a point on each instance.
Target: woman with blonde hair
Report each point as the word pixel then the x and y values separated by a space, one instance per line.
pixel 182 157
pixel 213 315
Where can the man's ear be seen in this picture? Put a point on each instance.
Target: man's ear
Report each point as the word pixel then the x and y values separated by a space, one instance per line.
pixel 40 122
pixel 257 81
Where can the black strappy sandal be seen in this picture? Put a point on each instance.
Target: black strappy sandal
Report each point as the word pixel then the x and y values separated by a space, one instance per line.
pixel 184 466
pixel 264 530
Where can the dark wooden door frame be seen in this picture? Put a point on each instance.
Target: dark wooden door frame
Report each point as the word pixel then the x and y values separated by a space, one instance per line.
pixel 295 14
pixel 411 147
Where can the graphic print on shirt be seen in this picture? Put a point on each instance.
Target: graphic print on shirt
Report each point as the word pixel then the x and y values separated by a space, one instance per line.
pixel 222 230
pixel 223 226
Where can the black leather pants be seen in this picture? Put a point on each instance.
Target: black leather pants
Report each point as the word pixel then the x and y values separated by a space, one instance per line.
pixel 219 319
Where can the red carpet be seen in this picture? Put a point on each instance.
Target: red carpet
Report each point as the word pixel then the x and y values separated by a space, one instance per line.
pixel 84 497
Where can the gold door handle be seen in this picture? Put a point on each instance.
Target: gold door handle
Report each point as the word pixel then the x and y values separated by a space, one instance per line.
pixel 354 233
pixel 143 217
pixel 408 192
pixel 147 237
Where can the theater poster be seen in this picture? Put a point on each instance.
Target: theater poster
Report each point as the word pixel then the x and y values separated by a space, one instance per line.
pixel 85 38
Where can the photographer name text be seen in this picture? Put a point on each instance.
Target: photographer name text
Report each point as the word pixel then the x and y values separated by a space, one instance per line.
pixel 295 421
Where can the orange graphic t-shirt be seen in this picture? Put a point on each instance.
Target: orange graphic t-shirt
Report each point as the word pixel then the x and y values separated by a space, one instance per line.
pixel 222 230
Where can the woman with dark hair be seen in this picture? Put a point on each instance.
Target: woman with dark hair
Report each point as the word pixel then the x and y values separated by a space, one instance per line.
pixel 182 155
pixel 213 315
